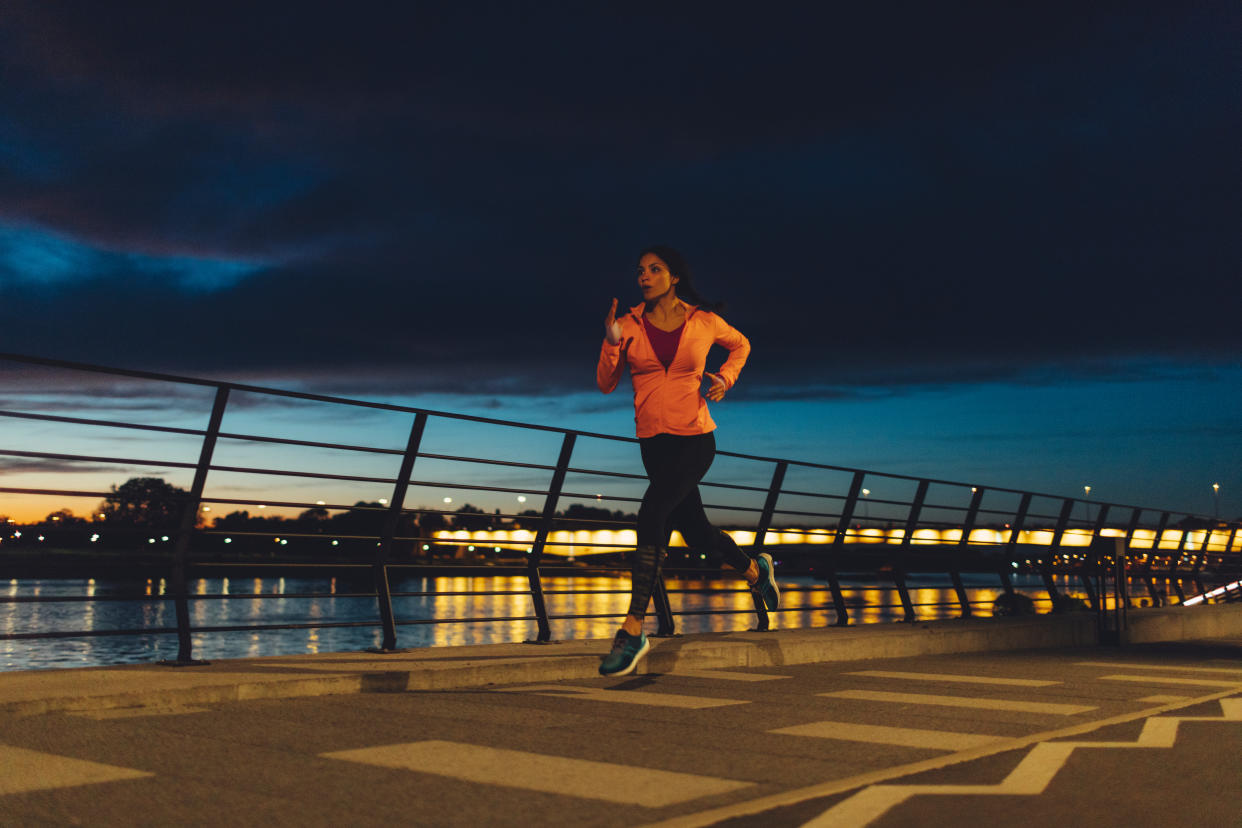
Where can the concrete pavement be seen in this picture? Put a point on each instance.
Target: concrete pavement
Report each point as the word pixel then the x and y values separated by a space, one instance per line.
pixel 947 722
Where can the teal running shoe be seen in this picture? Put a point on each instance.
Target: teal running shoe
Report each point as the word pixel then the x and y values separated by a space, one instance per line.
pixel 766 585
pixel 626 651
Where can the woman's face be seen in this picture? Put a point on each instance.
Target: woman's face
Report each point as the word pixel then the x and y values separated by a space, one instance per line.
pixel 653 277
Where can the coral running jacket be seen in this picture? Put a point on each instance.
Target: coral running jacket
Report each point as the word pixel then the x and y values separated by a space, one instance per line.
pixel 669 401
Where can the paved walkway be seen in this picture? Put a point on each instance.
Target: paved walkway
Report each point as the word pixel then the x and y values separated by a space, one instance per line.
pixel 885 726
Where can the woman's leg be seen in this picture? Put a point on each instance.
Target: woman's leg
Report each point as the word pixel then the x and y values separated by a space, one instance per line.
pixel 675 464
pixel 691 520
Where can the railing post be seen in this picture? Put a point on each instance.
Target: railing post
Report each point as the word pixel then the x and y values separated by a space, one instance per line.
pixel 1151 559
pixel 1200 560
pixel 189 518
pixel 1176 561
pixel 1121 611
pixel 380 570
pixel 963 543
pixel 899 565
pixel 761 531
pixel 1045 569
pixel 1083 574
pixel 1131 527
pixel 541 538
pixel 1115 567
pixel 843 528
pixel 847 511
pixel 664 610
pixel 1233 534
pixel 1015 530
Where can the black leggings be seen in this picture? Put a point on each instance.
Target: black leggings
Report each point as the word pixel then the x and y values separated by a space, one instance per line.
pixel 675 464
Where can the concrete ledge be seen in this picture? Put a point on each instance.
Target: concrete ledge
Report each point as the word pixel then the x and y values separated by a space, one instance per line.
pixel 1150 626
pixel 443 668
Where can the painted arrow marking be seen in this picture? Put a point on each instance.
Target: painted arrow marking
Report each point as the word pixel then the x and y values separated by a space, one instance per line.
pixel 1029 778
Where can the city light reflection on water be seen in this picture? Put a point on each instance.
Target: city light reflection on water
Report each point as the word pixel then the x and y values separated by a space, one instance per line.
pixel 451 601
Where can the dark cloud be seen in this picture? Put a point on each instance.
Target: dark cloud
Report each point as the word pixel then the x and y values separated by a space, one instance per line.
pixel 446 196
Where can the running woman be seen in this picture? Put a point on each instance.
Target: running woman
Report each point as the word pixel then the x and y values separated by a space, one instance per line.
pixel 665 340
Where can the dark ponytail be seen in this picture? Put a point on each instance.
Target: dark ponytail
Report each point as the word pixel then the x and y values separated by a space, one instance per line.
pixel 679 267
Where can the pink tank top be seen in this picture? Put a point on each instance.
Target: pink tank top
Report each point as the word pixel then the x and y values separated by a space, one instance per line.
pixel 663 342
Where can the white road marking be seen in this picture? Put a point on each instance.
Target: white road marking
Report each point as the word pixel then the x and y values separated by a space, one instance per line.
pixel 536 772
pixel 1197 682
pixel 883 735
pixel 752 807
pixel 962 701
pixel 726 675
pixel 1009 682
pixel 624 696
pixel 1030 778
pixel 1117 665
pixel 31 770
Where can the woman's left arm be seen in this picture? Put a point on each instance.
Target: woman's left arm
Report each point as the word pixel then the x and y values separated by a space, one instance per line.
pixel 739 349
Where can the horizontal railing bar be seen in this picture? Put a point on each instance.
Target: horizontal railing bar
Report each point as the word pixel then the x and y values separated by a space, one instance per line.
pixel 86 633
pixel 798 493
pixel 44 455
pixel 289 441
pixel 301 395
pixel 484 619
pixel 603 473
pixel 288 473
pixel 291 504
pixel 57 418
pixel 57 492
pixel 483 461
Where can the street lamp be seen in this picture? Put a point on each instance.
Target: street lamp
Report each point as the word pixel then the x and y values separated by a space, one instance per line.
pixel 866 508
pixel 1087 505
pixel 1216 499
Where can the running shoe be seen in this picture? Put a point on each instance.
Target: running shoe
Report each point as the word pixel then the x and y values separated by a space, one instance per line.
pixel 626 651
pixel 766 585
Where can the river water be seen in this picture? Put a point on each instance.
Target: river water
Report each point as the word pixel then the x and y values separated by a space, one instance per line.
pixel 453 601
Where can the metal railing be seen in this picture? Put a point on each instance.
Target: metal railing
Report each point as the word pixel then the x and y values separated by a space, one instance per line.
pixel 821 519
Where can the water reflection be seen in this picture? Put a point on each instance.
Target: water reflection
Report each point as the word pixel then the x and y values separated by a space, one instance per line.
pixel 594 611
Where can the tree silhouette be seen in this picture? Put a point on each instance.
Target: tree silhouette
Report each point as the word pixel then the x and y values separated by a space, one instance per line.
pixel 312 520
pixel 144 502
pixel 363 518
pixel 471 518
pixel 65 518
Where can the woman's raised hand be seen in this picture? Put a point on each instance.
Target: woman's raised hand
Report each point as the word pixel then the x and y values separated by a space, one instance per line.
pixel 717 391
pixel 612 328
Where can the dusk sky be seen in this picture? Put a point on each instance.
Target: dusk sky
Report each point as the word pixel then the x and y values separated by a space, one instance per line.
pixel 989 242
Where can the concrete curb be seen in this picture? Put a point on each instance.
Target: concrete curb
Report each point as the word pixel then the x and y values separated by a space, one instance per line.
pixel 1150 626
pixel 444 668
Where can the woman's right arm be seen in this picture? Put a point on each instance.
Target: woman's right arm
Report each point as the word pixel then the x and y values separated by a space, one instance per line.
pixel 611 353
